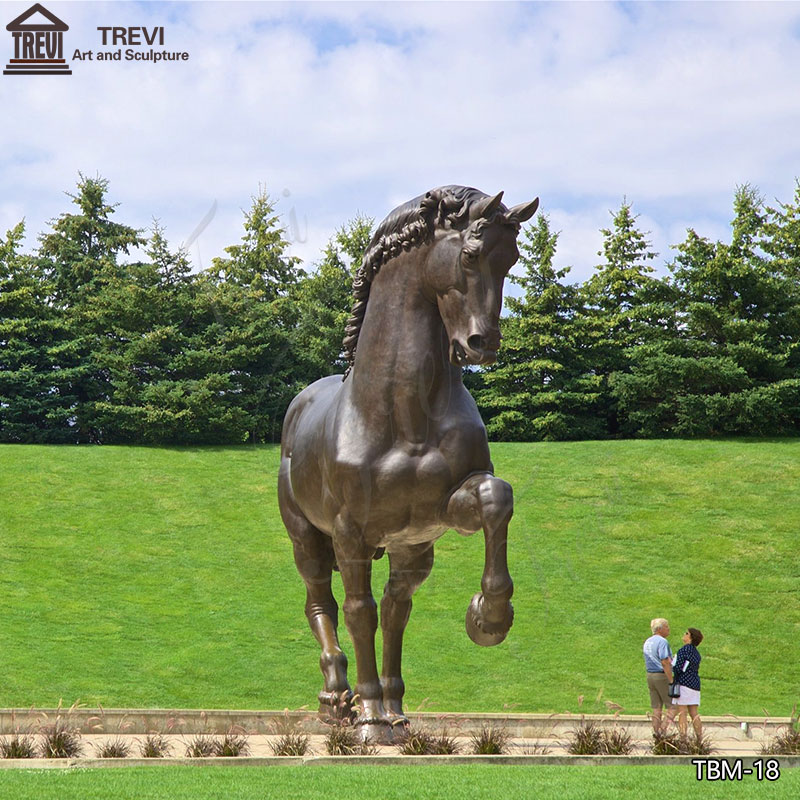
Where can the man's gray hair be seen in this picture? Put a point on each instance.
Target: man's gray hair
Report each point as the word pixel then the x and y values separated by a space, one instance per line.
pixel 658 622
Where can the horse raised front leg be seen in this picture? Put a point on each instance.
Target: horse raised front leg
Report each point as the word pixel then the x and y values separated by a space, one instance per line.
pixel 354 558
pixel 484 501
pixel 408 568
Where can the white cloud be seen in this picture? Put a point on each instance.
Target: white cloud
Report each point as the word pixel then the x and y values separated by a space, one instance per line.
pixel 358 107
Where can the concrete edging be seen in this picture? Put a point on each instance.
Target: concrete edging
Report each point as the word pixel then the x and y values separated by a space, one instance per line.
pixel 786 762
pixel 537 738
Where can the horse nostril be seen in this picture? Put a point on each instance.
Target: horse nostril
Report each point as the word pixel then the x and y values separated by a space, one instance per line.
pixel 475 342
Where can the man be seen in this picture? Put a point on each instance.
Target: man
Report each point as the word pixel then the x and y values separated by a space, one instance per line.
pixel 658 663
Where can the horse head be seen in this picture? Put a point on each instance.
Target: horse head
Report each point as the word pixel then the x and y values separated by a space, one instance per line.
pixel 472 254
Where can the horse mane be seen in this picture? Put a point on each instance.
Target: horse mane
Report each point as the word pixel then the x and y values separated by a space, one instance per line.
pixel 409 225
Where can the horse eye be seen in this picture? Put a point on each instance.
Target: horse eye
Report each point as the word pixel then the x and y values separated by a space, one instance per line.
pixel 469 255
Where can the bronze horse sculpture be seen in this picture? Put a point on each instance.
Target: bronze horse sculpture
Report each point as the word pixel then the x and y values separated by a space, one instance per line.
pixel 394 454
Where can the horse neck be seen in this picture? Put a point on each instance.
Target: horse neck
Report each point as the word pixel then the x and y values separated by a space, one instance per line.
pixel 402 368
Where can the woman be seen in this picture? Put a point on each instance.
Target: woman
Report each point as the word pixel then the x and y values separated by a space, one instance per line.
pixel 686 666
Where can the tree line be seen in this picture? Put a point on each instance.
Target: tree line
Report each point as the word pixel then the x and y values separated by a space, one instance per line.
pixel 96 346
pixel 712 348
pixel 99 346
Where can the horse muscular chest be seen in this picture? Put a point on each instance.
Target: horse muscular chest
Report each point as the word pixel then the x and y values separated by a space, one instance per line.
pixel 398 497
pixel 397 493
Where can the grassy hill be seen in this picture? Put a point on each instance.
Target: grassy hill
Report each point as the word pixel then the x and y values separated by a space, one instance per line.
pixel 163 577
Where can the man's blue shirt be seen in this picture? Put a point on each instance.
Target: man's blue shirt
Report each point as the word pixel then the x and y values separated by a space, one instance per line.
pixel 655 648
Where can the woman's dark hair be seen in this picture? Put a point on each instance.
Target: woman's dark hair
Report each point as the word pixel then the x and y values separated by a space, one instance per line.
pixel 696 635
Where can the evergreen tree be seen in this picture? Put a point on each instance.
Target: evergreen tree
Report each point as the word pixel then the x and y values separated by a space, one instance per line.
pixel 84 247
pixel 734 305
pixel 730 366
pixel 96 348
pixel 324 299
pixel 81 254
pixel 541 386
pixel 613 297
pixel 34 390
pixel 260 262
pixel 245 316
pixel 148 310
pixel 781 242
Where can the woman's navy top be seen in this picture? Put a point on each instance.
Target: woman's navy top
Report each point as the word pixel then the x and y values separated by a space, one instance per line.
pixel 687 665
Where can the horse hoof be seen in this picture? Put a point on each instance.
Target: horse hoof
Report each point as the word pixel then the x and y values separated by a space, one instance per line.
pixel 373 731
pixel 336 705
pixel 480 630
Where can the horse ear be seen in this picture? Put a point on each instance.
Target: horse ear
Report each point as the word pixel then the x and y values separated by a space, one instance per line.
pixel 523 212
pixel 487 206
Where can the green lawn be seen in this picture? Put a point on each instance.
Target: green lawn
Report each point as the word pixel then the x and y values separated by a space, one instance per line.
pixel 355 782
pixel 163 577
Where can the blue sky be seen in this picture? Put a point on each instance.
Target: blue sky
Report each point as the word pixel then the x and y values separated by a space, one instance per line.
pixel 341 108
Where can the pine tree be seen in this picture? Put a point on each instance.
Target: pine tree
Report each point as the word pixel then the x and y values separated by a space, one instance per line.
pixel 81 257
pixel 34 390
pixel 730 367
pixel 541 386
pixel 324 299
pixel 148 310
pixel 245 315
pixel 613 297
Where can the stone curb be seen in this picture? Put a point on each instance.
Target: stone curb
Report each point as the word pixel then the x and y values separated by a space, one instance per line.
pixel 786 762
pixel 140 721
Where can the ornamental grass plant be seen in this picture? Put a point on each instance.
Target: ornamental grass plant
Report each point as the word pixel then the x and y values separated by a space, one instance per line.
pixel 113 748
pixel 60 740
pixel 490 740
pixel 787 741
pixel 418 741
pixel 675 744
pixel 291 744
pixel 291 741
pixel 588 738
pixel 155 745
pixel 18 745
pixel 201 745
pixel 617 742
pixel 343 739
pixel 232 744
pixel 61 737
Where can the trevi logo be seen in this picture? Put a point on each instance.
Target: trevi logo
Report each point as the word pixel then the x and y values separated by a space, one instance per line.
pixel 38 43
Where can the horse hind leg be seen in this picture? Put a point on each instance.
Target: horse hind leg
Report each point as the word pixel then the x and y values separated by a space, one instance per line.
pixel 322 614
pixel 313 555
pixel 408 569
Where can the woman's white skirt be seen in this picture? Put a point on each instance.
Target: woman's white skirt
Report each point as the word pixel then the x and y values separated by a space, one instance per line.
pixel 689 697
